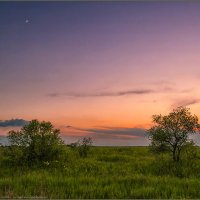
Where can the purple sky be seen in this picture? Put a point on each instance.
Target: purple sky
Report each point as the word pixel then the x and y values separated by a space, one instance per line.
pixel 85 66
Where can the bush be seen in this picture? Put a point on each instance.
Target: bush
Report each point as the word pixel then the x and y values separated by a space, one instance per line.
pixel 36 143
pixel 82 146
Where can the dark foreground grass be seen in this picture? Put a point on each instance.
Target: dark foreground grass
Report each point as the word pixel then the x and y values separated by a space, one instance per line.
pixel 108 172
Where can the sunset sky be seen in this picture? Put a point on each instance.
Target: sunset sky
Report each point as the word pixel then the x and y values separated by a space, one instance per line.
pixel 98 69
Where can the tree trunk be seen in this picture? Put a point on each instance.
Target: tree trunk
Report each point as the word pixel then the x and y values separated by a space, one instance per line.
pixel 178 155
pixel 174 155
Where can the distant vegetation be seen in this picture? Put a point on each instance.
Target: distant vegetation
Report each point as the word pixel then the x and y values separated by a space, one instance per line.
pixel 82 146
pixel 38 164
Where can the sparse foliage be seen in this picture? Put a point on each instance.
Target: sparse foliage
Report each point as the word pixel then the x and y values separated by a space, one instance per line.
pixel 36 142
pixel 73 145
pixel 170 132
pixel 83 146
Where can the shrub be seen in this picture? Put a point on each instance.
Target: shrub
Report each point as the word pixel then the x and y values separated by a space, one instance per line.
pixel 36 143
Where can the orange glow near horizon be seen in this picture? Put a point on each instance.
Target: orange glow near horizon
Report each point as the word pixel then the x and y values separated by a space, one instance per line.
pixel 99 65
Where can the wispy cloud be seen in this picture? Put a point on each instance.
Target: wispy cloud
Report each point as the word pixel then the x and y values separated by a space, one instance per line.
pixel 102 94
pixel 158 87
pixel 185 102
pixel 119 131
pixel 13 123
pixel 109 132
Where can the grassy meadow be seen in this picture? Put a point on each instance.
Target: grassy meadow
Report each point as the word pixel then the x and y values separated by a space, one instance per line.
pixel 107 172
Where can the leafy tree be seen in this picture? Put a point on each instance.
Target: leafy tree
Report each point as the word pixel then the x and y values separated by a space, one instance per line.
pixel 171 132
pixel 37 141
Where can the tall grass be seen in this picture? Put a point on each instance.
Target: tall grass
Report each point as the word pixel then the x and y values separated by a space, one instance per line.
pixel 108 172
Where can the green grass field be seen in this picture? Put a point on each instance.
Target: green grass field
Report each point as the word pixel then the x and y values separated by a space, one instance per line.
pixel 108 172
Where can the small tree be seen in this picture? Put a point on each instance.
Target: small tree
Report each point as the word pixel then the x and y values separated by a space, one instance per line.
pixel 170 132
pixel 82 146
pixel 73 145
pixel 37 141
